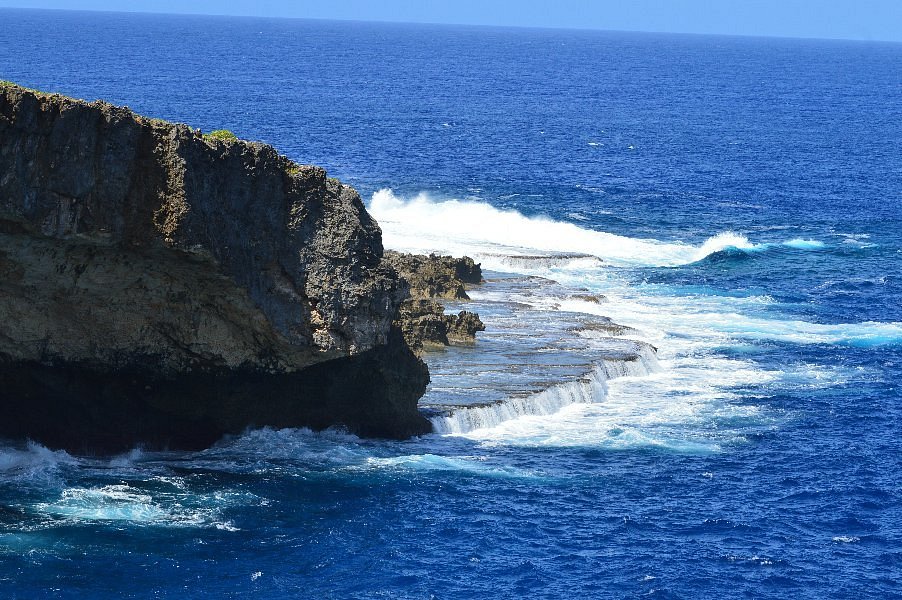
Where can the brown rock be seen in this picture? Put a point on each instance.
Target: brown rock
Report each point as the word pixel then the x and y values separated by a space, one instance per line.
pixel 422 319
pixel 148 273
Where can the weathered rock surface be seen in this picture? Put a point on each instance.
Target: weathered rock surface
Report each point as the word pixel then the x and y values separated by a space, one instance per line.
pixel 422 319
pixel 463 326
pixel 436 276
pixel 162 288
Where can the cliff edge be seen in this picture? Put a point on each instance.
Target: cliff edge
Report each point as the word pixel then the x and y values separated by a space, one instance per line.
pixel 164 288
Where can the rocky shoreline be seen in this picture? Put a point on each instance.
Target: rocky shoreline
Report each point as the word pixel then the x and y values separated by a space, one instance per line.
pixel 163 288
pixel 422 317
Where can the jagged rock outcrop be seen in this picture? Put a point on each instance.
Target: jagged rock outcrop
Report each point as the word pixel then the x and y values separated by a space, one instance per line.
pixel 422 319
pixel 463 326
pixel 164 288
pixel 436 276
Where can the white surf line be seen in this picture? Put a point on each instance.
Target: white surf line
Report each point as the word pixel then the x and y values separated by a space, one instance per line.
pixel 590 388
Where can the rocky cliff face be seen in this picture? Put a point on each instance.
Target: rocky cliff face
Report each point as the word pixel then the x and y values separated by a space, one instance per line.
pixel 150 275
pixel 422 317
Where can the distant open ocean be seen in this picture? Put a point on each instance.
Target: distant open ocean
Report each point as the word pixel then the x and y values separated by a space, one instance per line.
pixel 734 202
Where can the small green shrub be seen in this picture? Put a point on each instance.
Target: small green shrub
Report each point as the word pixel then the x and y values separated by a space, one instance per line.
pixel 221 134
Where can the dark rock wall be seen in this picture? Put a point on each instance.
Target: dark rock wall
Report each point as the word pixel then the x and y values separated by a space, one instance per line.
pixel 86 409
pixel 161 288
pixel 302 245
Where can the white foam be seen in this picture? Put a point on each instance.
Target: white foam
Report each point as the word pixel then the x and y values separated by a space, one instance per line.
pixel 128 459
pixel 801 244
pixel 484 232
pixel 708 319
pixel 718 320
pixel 304 451
pixel 108 503
pixel 259 450
pixel 696 404
pixel 33 465
pixel 591 388
pixel 432 462
pixel 689 405
pixel 169 505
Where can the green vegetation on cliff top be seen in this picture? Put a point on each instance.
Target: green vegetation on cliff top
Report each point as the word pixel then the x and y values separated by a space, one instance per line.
pixel 221 134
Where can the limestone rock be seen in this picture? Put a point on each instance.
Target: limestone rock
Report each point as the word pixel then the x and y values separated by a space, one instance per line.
pixel 436 276
pixel 160 287
pixel 463 326
pixel 423 323
pixel 422 319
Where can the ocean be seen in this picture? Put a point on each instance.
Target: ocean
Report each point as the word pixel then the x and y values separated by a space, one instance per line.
pixel 734 203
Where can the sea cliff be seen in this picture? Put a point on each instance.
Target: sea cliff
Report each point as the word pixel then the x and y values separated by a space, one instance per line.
pixel 164 288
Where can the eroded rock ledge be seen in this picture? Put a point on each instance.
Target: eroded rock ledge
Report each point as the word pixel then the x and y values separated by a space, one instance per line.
pixel 422 317
pixel 162 288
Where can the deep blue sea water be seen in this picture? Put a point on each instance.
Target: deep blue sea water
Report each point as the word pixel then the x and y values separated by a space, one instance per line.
pixel 738 202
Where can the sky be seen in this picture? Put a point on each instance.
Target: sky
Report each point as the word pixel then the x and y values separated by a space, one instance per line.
pixel 841 19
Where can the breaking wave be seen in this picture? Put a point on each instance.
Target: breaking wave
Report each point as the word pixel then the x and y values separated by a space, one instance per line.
pixel 502 238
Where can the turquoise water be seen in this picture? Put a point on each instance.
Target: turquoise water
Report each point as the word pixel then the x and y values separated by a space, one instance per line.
pixel 735 201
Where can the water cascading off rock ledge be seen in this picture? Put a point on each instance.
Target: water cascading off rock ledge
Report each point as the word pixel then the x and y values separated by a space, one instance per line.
pixel 162 288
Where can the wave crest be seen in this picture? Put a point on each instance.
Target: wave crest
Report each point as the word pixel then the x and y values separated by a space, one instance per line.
pixel 501 238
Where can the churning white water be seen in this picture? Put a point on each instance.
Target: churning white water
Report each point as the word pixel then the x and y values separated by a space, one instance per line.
pixel 548 369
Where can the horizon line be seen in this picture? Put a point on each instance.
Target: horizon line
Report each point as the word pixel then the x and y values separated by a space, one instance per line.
pixel 436 24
